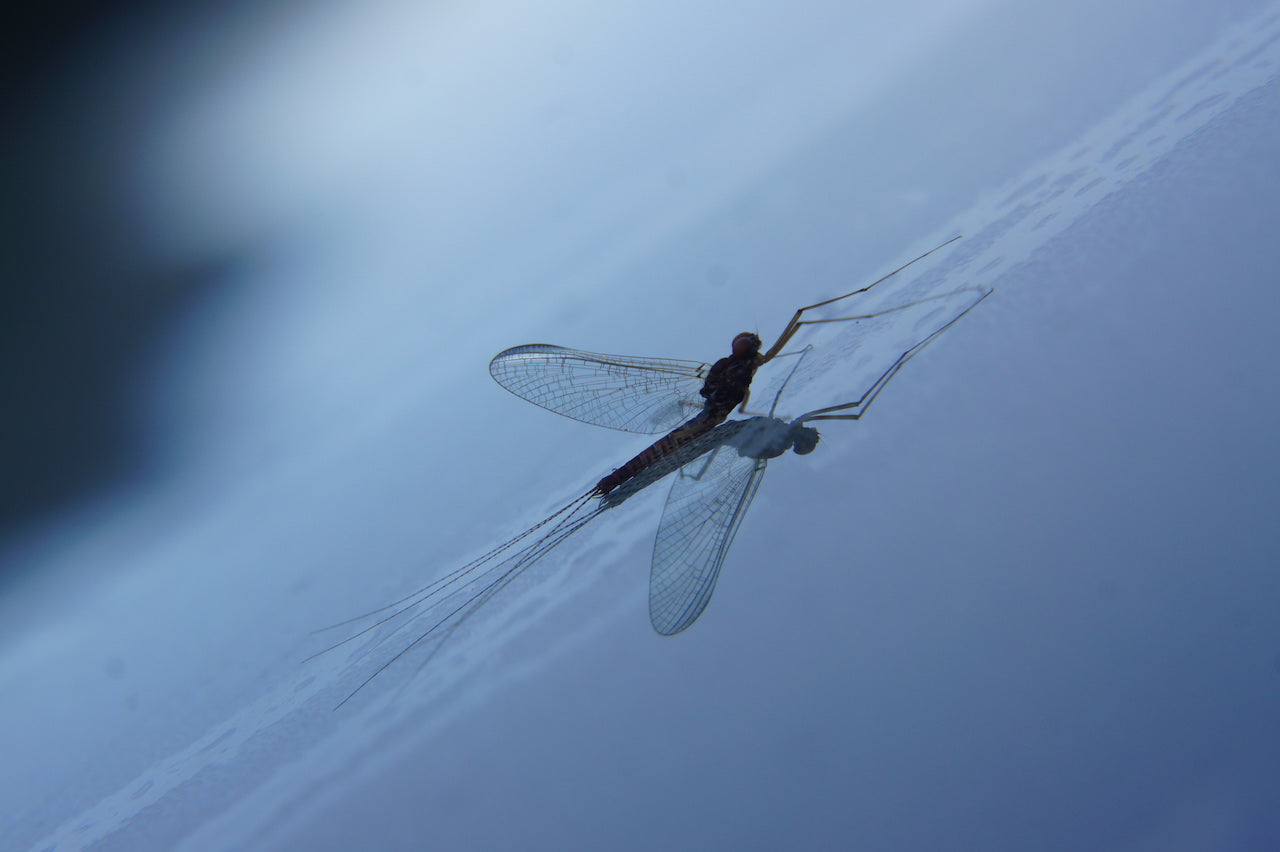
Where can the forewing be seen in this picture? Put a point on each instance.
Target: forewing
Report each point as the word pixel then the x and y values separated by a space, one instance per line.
pixel 704 510
pixel 646 395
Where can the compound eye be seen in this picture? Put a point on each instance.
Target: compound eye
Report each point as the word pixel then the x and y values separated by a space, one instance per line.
pixel 805 440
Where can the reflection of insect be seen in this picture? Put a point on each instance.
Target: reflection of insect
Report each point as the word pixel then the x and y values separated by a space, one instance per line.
pixel 841 354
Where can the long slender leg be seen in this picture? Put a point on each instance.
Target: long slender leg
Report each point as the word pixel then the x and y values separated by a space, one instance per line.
pixel 794 325
pixel 863 402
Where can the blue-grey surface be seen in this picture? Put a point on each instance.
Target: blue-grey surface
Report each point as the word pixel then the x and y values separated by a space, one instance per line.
pixel 1027 602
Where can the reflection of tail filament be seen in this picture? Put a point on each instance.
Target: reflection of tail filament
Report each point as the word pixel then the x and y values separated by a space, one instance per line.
pixel 441 607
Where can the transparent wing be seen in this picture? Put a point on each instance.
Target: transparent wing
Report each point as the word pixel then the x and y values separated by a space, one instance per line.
pixel 704 510
pixel 646 395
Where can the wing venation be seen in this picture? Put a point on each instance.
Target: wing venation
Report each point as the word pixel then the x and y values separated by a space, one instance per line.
pixel 706 506
pixel 646 395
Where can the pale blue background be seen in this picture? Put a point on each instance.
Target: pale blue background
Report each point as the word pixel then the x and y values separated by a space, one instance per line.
pixel 1028 603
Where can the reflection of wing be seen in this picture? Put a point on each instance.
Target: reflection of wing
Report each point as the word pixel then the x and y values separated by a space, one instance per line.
pixel 707 504
pixel 645 395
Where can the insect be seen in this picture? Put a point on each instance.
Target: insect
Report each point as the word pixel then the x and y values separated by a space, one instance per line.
pixel 830 362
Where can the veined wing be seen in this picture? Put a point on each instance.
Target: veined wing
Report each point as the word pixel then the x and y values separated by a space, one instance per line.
pixel 704 510
pixel 646 395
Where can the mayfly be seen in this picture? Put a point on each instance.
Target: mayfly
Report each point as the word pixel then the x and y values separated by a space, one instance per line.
pixel 829 363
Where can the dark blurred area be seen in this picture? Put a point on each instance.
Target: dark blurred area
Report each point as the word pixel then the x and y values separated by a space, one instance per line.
pixel 83 305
